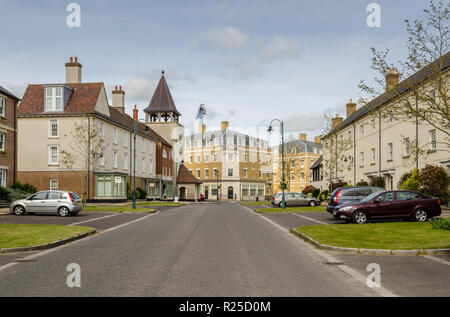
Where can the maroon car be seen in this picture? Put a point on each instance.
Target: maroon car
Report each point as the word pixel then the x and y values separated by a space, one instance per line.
pixel 390 204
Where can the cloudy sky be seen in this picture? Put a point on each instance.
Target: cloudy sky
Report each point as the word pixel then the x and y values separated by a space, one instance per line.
pixel 248 60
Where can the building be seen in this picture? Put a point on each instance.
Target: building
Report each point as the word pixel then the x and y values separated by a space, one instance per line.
pixel 231 165
pixel 8 137
pixel 373 141
pixel 317 174
pixel 72 139
pixel 188 184
pixel 299 156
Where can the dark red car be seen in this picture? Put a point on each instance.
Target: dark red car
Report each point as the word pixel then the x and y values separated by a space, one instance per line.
pixel 390 204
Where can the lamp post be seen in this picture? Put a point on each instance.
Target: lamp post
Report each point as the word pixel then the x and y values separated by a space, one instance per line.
pixel 283 201
pixel 134 161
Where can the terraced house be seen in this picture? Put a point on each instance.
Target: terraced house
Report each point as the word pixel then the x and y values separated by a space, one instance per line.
pixel 230 165
pixel 376 140
pixel 72 139
pixel 8 137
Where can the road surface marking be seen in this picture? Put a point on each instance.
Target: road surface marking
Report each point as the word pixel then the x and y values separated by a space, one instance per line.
pixel 35 255
pixel 311 219
pixel 358 276
pixel 95 219
pixel 435 259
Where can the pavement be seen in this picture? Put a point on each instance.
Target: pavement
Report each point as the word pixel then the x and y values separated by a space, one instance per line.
pixel 221 249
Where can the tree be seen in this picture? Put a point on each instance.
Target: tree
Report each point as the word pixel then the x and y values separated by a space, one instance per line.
pixel 411 182
pixel 308 189
pixel 428 42
pixel 434 181
pixel 362 183
pixel 86 145
pixel 378 181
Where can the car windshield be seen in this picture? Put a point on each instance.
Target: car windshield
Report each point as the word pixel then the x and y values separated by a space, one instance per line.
pixel 370 197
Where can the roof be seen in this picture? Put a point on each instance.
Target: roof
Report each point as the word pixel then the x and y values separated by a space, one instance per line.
pixel 6 92
pixel 317 163
pixel 186 177
pixel 162 100
pixel 414 80
pixel 82 100
pixel 219 133
pixel 301 146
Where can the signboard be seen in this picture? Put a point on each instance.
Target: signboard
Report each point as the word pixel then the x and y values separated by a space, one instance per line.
pixel 118 179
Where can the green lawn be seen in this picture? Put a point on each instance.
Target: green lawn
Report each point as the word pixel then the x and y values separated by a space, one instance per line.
pixel 19 235
pixel 293 209
pixel 388 235
pixel 118 209
pixel 254 203
pixel 159 203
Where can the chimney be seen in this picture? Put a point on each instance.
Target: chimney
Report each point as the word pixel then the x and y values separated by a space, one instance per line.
pixel 224 126
pixel 336 121
pixel 317 139
pixel 73 71
pixel 135 113
pixel 118 99
pixel 392 79
pixel 302 136
pixel 351 107
pixel 202 128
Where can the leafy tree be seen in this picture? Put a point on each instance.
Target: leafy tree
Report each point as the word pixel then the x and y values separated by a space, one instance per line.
pixel 434 181
pixel 315 193
pixel 337 185
pixel 412 182
pixel 378 181
pixel 362 183
pixel 308 189
pixel 403 179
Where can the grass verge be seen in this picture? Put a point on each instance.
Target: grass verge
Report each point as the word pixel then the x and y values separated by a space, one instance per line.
pixel 387 235
pixel 20 235
pixel 254 203
pixel 293 209
pixel 118 209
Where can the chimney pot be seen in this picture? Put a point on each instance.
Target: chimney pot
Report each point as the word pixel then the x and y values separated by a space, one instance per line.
pixel 351 107
pixel 76 59
pixel 71 59
pixel 317 139
pixel 302 136
pixel 135 113
pixel 118 99
pixel 392 79
pixel 73 72
pixel 336 121
pixel 224 125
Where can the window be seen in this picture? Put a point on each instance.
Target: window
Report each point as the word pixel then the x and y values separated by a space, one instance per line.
pixel 386 197
pixel 292 176
pixel 150 166
pixel 102 129
pixel 164 154
pixel 362 158
pixel 150 147
pixel 53 99
pixel 292 163
pixel 302 176
pixel 198 173
pixel 2 106
pixel 102 156
pixel 115 135
pixel 390 151
pixel 3 178
pixel 230 172
pixel 2 141
pixel 374 125
pixel 125 160
pixel 407 146
pixel 54 184
pixel 433 140
pixel 216 173
pixel 260 173
pixel 125 138
pixel 230 157
pixel 362 130
pixel 245 158
pixel 115 159
pixel 206 173
pixel 53 152
pixel 245 172
pixel 206 158
pixel 199 158
pixel 215 157
pixel 190 159
pixel 390 117
pixel 143 145
pixel 373 156
pixel 53 128
pixel 143 165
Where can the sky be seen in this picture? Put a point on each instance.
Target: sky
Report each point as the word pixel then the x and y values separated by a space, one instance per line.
pixel 248 61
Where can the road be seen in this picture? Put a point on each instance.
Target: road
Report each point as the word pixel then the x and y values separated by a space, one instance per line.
pixel 218 249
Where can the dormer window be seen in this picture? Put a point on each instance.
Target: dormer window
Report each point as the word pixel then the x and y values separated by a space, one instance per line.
pixel 53 100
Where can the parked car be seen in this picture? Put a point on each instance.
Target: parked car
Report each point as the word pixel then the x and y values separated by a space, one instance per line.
pixel 295 199
pixel 391 204
pixel 343 195
pixel 63 203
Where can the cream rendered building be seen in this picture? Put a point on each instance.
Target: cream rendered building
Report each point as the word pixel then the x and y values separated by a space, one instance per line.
pixel 372 141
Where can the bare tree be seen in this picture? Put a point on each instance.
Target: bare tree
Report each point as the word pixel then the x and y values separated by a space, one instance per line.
pixel 416 100
pixel 86 146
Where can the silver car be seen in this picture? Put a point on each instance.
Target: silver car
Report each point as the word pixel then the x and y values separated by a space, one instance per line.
pixel 63 203
pixel 295 199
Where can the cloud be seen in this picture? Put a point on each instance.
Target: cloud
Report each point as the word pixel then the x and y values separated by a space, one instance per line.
pixel 279 48
pixel 228 37
pixel 244 70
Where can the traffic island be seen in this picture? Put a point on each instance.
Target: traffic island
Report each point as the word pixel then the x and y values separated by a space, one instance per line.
pixel 390 238
pixel 32 237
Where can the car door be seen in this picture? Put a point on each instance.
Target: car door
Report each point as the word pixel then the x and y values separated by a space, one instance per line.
pixel 36 202
pixel 405 203
pixel 290 199
pixel 382 205
pixel 303 200
pixel 52 202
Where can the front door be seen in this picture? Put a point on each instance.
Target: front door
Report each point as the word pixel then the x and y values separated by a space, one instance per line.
pixel 230 192
pixel 182 193
pixel 206 192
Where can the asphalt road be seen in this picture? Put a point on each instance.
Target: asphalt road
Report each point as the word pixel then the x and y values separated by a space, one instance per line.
pixel 194 250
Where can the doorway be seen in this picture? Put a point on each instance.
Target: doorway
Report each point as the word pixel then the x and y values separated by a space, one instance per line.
pixel 182 193
pixel 230 193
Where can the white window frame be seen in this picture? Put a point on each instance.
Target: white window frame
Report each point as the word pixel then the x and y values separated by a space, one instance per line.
pixel 52 181
pixel 362 158
pixel 206 173
pixel 390 151
pixel 125 138
pixel 373 155
pixel 245 173
pixel 50 162
pixel 115 159
pixel 102 157
pixel 164 153
pixel 102 129
pixel 433 143
pixel 407 143
pixel 3 175
pixel 125 161
pixel 50 130
pixel 143 165
pixel 115 130
pixel 2 141
pixel 143 145
pixel 53 98
pixel 2 107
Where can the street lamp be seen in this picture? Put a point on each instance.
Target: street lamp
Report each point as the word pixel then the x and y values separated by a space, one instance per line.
pixel 283 201
pixel 134 160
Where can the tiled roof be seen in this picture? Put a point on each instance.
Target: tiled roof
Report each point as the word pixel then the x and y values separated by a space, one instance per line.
pixel 301 146
pixel 162 100
pixel 412 81
pixel 6 92
pixel 317 163
pixel 186 177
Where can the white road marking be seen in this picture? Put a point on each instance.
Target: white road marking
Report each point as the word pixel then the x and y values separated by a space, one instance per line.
pixel 35 255
pixel 435 259
pixel 77 223
pixel 329 258
pixel 311 219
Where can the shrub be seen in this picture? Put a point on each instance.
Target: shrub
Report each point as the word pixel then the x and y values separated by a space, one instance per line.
pixel 315 193
pixel 403 179
pixel 378 181
pixel 4 193
pixel 337 184
pixel 362 183
pixel 13 194
pixel 411 182
pixel 434 181
pixel 308 189
pixel 440 223
pixel 324 195
pixel 24 187
pixel 140 193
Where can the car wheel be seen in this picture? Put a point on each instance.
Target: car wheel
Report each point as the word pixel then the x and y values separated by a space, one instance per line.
pixel 63 211
pixel 19 210
pixel 420 215
pixel 280 204
pixel 312 203
pixel 359 217
pixel 337 216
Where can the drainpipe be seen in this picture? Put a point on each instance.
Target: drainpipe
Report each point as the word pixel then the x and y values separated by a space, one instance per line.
pixel 354 154
pixel 89 157
pixel 379 141
pixel 417 134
